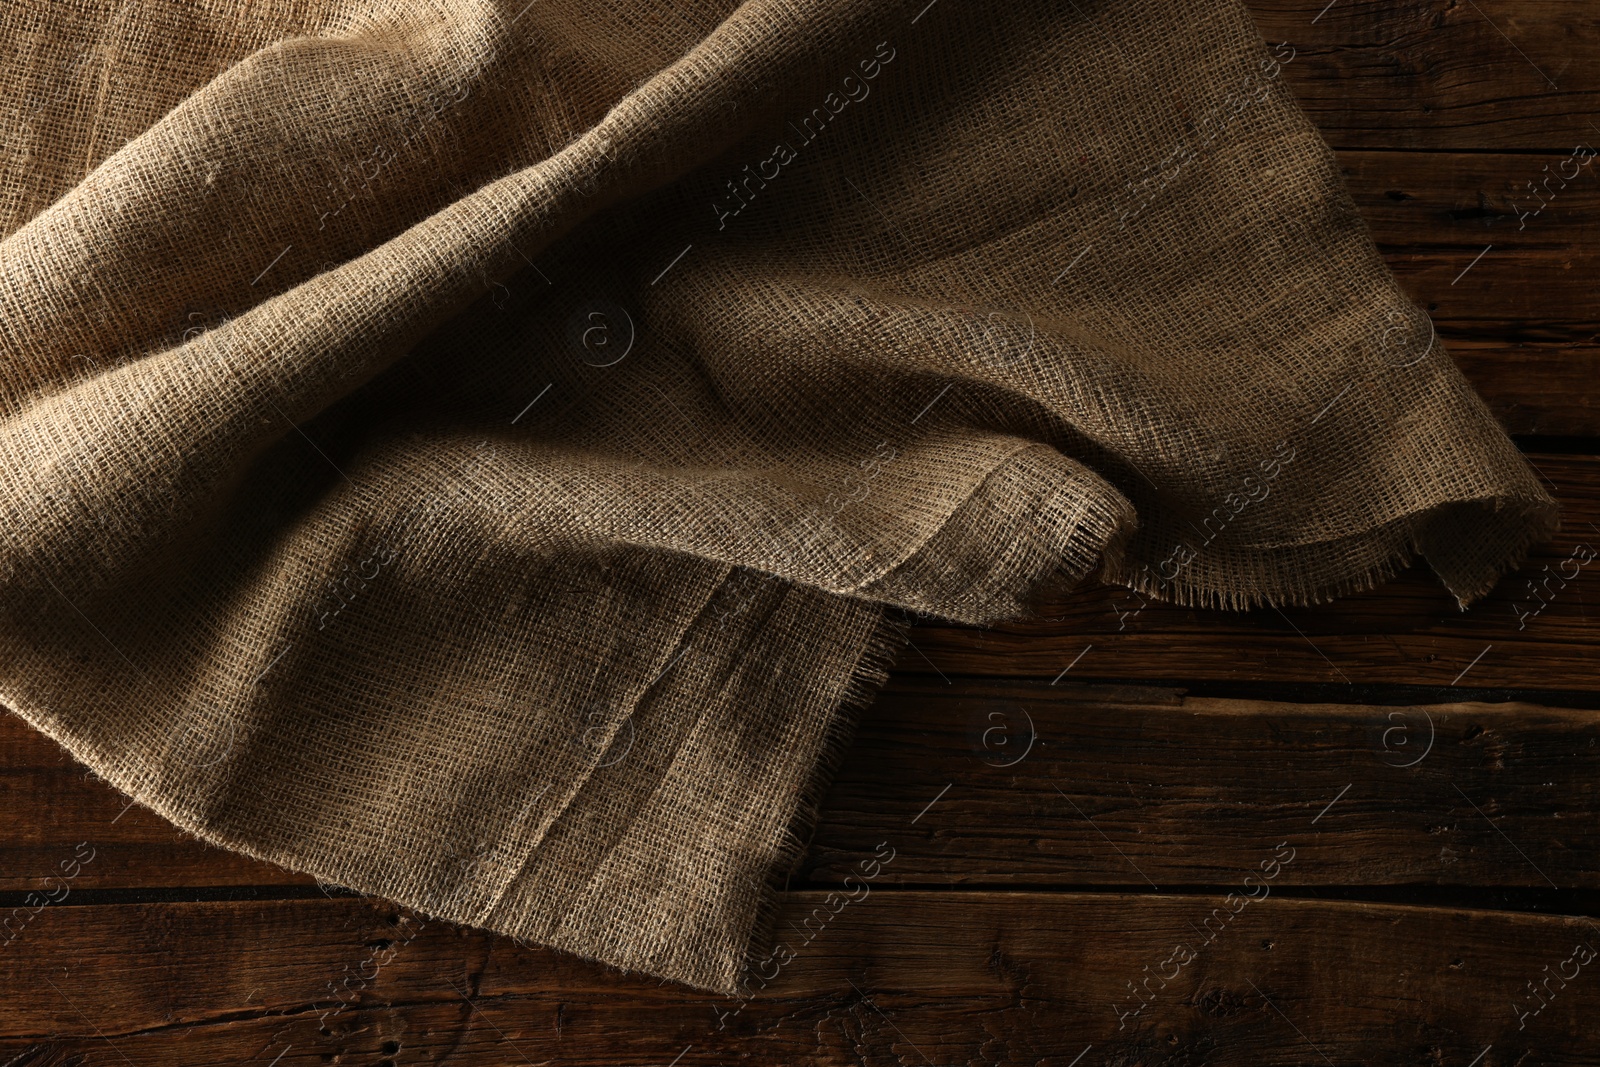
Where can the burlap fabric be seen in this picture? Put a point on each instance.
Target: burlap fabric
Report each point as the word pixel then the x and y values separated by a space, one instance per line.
pixel 464 450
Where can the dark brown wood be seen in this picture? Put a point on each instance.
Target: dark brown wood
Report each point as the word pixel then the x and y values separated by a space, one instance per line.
pixel 1554 304
pixel 1459 202
pixel 1500 248
pixel 890 978
pixel 1407 632
pixel 1535 388
pixel 50 803
pixel 1411 94
pixel 1085 785
pixel 1417 74
pixel 1032 784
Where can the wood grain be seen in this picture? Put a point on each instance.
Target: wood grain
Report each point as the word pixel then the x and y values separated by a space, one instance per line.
pixel 1528 202
pixel 50 803
pixel 1535 388
pixel 1503 253
pixel 1454 124
pixel 996 782
pixel 890 978
pixel 1419 74
pixel 1019 783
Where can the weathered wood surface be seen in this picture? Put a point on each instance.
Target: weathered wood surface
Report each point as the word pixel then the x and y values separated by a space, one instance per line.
pixel 1427 74
pixel 1407 632
pixel 1503 252
pixel 890 978
pixel 50 805
pixel 1149 788
pixel 996 782
pixel 1535 388
pixel 1456 126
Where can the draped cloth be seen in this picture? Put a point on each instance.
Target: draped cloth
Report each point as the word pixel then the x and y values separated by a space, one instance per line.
pixel 481 453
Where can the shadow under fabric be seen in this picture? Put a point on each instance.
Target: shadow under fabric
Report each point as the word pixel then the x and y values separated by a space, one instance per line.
pixel 475 452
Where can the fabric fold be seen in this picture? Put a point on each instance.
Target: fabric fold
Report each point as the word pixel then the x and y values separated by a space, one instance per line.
pixel 468 452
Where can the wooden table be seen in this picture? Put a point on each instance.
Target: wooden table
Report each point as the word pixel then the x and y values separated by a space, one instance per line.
pixel 1363 833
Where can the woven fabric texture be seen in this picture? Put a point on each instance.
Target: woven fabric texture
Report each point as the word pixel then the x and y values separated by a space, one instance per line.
pixel 477 452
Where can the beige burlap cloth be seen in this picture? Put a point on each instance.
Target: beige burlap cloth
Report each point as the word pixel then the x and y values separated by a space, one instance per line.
pixel 464 450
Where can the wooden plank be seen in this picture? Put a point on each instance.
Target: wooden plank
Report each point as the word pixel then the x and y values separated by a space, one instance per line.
pixel 1502 249
pixel 52 804
pixel 1417 74
pixel 1522 298
pixel 1527 202
pixel 890 978
pixel 1407 632
pixel 1535 388
pixel 1028 783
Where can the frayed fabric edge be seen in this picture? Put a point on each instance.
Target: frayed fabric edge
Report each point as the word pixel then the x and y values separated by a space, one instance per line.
pixel 1514 526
